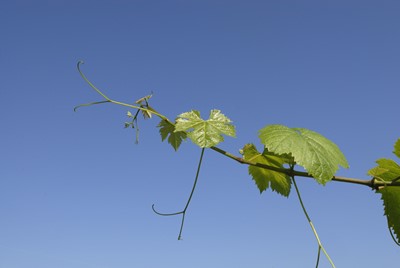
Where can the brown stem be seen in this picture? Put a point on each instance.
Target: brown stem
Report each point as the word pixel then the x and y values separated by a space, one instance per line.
pixel 372 183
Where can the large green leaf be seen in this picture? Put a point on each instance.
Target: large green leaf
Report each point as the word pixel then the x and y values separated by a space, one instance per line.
pixel 175 138
pixel 205 133
pixel 318 155
pixel 388 170
pixel 391 202
pixel 265 178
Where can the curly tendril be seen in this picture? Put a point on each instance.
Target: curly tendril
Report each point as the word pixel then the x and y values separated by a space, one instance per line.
pixel 183 212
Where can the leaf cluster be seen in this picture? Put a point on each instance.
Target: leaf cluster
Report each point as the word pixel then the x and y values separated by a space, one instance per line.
pixel 283 146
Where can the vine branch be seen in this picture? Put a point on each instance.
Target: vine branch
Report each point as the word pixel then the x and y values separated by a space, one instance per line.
pixel 143 106
pixel 372 183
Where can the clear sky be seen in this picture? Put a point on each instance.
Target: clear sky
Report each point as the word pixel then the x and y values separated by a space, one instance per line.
pixel 75 189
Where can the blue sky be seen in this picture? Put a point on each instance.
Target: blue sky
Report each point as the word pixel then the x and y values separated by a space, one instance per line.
pixel 75 189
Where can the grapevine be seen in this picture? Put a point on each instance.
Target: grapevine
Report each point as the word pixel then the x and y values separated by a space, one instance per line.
pixel 274 166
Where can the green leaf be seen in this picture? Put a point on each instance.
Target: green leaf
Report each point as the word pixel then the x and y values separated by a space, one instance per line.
pixel 175 138
pixel 397 148
pixel 264 178
pixel 205 133
pixel 391 202
pixel 387 170
pixel 318 155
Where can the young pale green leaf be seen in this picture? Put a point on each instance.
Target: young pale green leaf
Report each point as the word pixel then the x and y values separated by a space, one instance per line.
pixel 205 133
pixel 318 155
pixel 397 148
pixel 391 202
pixel 265 178
pixel 387 170
pixel 175 138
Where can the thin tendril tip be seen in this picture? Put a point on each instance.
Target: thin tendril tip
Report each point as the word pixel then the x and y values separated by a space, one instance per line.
pixel 89 104
pixel 165 214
